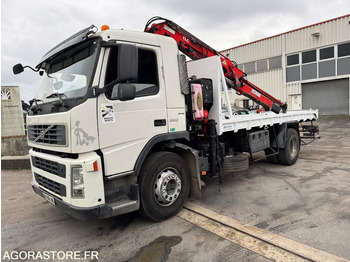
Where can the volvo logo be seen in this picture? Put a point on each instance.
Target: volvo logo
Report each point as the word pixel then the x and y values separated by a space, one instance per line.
pixel 42 133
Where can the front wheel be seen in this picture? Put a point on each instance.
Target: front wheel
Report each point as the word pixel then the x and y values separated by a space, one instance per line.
pixel 164 185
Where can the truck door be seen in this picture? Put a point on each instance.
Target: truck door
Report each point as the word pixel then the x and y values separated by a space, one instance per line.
pixel 125 127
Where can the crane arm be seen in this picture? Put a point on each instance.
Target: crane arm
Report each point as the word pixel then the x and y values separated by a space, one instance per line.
pixel 196 49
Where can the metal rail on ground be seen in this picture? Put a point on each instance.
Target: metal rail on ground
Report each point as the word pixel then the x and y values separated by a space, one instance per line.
pixel 260 241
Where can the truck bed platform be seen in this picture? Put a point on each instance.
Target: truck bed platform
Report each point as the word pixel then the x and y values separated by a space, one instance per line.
pixel 237 122
pixel 227 121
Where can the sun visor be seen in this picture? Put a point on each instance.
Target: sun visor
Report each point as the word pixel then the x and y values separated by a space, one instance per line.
pixel 73 40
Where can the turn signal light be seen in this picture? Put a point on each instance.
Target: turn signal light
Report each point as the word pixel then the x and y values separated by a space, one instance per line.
pixel 95 165
pixel 104 27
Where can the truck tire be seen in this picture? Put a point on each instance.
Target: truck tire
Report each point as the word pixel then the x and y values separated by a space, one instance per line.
pixel 164 185
pixel 289 154
pixel 235 163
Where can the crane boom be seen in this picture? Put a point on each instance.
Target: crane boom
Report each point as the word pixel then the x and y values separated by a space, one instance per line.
pixel 196 49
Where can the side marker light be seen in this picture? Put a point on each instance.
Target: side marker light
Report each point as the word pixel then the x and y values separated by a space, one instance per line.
pixel 104 27
pixel 95 165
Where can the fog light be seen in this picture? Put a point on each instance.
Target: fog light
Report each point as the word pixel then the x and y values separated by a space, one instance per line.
pixel 78 192
pixel 77 182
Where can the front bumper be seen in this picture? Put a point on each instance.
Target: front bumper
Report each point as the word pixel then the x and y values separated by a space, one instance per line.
pixel 98 212
pixel 54 175
pixel 52 180
pixel 102 211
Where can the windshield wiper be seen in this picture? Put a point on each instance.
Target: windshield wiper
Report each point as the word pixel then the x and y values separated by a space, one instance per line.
pixel 56 95
pixel 59 95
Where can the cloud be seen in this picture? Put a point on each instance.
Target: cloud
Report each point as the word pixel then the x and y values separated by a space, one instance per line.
pixel 31 28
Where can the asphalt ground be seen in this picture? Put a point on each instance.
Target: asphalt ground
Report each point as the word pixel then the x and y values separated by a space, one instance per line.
pixel 307 203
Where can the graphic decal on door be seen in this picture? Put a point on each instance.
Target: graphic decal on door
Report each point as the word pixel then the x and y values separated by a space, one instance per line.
pixel 107 113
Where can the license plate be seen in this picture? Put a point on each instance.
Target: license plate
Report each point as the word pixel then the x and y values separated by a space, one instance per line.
pixel 49 198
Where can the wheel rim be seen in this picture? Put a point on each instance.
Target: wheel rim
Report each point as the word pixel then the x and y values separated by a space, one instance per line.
pixel 167 187
pixel 293 147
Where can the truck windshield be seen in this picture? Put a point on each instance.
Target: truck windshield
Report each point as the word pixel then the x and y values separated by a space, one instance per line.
pixel 68 74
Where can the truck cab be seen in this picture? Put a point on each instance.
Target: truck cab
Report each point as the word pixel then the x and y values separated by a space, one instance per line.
pixel 103 101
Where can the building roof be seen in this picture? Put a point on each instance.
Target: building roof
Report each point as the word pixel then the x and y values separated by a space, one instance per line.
pixel 291 31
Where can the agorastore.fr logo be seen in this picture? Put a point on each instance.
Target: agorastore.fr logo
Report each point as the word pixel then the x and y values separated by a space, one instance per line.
pixel 49 255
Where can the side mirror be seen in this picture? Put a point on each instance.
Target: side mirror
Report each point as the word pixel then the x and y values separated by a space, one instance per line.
pixel 124 92
pixel 127 66
pixel 127 63
pixel 17 69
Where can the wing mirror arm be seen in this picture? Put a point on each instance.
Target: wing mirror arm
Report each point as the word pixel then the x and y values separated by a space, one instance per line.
pixel 19 68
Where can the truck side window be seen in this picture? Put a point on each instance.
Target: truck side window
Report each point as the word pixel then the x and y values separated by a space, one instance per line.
pixel 147 80
pixel 112 66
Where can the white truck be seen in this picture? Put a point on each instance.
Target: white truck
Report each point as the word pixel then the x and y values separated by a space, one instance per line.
pixel 118 126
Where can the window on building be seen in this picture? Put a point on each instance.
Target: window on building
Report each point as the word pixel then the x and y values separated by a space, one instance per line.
pixel 261 65
pixel 309 71
pixel 241 67
pixel 343 66
pixel 344 49
pixel 326 53
pixel 326 68
pixel 330 61
pixel 275 62
pixel 293 73
pixel 293 60
pixel 249 67
pixel 308 56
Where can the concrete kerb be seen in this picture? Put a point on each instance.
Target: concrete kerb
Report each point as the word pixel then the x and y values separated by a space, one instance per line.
pixel 15 162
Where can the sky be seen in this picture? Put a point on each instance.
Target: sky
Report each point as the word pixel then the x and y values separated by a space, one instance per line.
pixel 29 28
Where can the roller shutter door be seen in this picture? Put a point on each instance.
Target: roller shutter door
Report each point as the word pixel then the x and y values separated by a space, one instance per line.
pixel 330 97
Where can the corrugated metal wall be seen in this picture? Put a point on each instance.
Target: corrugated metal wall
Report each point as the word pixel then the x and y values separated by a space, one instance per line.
pixel 269 81
pixel 294 88
pixel 259 50
pixel 332 32
pixel 294 96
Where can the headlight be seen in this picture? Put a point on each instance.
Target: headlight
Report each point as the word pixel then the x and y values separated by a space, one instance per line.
pixel 78 176
pixel 77 182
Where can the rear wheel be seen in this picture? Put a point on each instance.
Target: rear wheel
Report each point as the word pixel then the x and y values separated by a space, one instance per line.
pixel 289 154
pixel 164 185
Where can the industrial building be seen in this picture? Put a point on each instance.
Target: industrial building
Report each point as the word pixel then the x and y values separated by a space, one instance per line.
pixel 308 67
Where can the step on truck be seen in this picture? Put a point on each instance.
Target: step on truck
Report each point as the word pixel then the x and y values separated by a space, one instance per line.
pixel 122 122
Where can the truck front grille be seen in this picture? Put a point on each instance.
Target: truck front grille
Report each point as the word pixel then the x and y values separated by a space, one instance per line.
pixel 47 134
pixel 50 185
pixel 49 166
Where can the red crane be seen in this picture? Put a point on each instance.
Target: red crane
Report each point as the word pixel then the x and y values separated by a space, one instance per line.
pixel 195 49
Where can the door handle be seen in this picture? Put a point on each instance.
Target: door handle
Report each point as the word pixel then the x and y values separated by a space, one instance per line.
pixel 160 122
